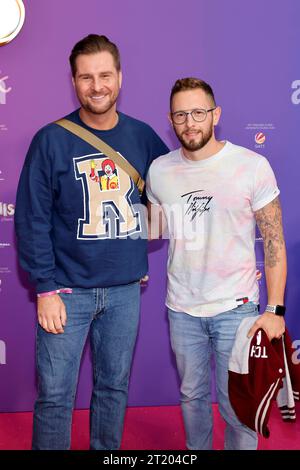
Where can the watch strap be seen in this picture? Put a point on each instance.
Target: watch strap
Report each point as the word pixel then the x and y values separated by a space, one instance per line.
pixel 276 309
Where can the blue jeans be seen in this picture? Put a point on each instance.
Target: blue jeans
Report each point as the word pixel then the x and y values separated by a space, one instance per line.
pixel 111 316
pixel 193 341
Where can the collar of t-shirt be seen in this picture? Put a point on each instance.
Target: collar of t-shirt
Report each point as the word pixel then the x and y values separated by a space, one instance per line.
pixel 207 161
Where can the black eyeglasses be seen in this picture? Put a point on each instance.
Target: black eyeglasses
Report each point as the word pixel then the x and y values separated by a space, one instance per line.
pixel 199 115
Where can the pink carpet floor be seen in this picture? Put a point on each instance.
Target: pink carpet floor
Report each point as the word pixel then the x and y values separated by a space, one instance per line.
pixel 150 428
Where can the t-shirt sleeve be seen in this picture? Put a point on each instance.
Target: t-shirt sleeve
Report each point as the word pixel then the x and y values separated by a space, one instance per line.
pixel 150 187
pixel 265 186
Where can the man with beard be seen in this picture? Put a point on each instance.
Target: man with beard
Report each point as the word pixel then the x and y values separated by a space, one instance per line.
pixel 85 250
pixel 211 194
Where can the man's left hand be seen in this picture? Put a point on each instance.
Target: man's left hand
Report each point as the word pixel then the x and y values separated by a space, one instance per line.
pixel 273 325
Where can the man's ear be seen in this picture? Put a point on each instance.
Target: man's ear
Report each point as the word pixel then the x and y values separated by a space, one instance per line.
pixel 170 118
pixel 216 115
pixel 120 78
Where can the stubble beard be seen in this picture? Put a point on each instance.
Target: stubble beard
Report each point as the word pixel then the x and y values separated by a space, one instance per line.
pixel 193 145
pixel 96 110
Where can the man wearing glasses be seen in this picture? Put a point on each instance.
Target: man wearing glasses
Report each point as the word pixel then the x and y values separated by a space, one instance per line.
pixel 210 195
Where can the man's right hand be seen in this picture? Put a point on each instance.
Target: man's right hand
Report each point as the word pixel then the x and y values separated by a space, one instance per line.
pixel 51 313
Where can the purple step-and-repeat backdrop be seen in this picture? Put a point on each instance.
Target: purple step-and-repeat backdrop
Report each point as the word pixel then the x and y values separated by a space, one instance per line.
pixel 248 51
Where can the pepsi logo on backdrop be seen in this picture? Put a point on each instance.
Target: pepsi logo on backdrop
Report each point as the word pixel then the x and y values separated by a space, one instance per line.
pixel 296 93
pixel 4 89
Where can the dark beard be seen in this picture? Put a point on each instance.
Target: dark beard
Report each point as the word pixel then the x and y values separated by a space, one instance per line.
pixel 193 145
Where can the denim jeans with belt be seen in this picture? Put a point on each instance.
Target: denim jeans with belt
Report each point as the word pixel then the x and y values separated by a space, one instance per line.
pixel 111 316
pixel 193 341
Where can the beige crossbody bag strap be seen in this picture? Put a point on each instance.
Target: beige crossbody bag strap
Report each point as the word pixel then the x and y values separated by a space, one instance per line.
pixel 94 141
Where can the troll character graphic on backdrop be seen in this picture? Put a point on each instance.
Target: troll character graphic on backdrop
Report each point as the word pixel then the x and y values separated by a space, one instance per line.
pixel 3 89
pixel 109 181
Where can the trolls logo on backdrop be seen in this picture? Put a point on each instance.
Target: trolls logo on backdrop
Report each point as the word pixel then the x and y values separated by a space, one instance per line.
pixel 2 352
pixel 6 210
pixel 296 94
pixel 296 353
pixel 3 89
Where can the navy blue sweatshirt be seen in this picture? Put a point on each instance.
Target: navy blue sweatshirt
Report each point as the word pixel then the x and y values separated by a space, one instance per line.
pixel 78 218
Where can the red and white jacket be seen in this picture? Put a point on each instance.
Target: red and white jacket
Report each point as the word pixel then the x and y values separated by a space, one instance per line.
pixel 259 372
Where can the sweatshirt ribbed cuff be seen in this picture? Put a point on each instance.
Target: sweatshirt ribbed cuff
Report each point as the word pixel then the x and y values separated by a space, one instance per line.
pixel 46 286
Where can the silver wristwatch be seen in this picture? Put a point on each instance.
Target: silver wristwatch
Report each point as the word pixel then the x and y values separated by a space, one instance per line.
pixel 277 309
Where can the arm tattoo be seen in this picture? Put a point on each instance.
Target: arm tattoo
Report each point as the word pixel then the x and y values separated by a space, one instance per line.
pixel 269 222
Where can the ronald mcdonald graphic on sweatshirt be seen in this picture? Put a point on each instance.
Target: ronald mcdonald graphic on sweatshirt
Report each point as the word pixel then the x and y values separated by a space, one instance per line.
pixel 109 180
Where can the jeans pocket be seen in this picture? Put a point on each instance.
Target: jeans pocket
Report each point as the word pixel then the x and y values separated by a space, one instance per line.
pixel 249 308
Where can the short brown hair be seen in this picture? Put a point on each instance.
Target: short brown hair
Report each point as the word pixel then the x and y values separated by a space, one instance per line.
pixel 190 83
pixel 92 44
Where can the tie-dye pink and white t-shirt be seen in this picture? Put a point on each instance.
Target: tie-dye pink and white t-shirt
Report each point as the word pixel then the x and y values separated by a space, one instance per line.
pixel 209 206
